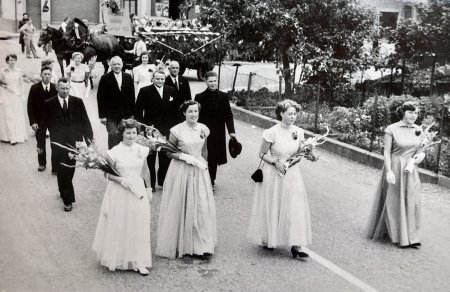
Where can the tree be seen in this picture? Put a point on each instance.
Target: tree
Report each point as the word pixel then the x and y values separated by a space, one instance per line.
pixel 324 34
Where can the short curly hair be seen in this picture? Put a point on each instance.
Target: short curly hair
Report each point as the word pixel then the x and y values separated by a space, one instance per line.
pixel 184 106
pixel 284 105
pixel 126 124
pixel 10 56
pixel 406 106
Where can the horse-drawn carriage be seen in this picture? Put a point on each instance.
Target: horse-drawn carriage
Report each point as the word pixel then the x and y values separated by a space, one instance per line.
pixel 197 49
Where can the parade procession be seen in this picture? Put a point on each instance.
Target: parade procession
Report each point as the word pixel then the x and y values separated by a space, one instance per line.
pixel 257 145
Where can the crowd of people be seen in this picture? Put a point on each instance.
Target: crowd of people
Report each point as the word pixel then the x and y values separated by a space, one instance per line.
pixel 197 127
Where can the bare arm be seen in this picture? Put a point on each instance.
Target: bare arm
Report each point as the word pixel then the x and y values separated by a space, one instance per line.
pixel 387 152
pixel 205 150
pixel 174 141
pixel 265 147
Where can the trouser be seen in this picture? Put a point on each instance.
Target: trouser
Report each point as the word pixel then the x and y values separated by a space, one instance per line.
pixel 42 158
pixel 65 175
pixel 212 169
pixel 163 162
pixel 111 127
pixel 30 48
pixel 22 43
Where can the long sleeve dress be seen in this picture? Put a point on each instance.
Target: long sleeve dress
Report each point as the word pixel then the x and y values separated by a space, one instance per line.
pixel 187 216
pixel 122 238
pixel 396 207
pixel 280 214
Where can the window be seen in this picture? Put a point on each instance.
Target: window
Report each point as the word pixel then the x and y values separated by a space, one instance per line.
pixel 407 12
pixel 388 19
pixel 131 5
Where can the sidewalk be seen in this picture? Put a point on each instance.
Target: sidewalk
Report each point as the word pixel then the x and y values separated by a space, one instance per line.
pixel 4 35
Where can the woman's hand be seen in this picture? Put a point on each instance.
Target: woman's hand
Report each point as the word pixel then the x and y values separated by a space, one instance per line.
pixel 280 166
pixel 126 184
pixel 390 177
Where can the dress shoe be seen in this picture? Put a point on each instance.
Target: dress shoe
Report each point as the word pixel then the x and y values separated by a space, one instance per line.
pixel 143 271
pixel 267 248
pixel 417 244
pixel 153 190
pixel 300 254
pixel 41 168
pixel 68 208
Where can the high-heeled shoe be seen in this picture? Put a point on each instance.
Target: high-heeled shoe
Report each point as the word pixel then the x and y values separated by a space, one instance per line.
pixel 302 255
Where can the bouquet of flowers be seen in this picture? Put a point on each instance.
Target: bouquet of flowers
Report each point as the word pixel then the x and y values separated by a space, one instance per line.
pixel 306 150
pixel 155 140
pixel 429 138
pixel 90 157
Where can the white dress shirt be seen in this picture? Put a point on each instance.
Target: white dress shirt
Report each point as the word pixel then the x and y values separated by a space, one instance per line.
pixel 175 81
pixel 46 87
pixel 119 79
pixel 160 90
pixel 61 101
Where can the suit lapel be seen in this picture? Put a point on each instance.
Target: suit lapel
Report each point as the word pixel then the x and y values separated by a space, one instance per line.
pixel 114 80
pixel 71 105
pixel 57 108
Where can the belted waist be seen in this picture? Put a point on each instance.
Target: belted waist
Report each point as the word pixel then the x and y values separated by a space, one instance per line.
pixel 77 81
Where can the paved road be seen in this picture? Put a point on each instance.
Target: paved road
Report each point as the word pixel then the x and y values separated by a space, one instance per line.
pixel 43 248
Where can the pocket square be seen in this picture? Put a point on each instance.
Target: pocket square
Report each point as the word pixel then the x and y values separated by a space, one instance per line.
pixel 170 98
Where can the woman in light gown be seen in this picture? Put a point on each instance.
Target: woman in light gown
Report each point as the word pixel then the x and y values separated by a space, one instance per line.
pixel 187 216
pixel 78 74
pixel 122 238
pixel 396 206
pixel 13 126
pixel 143 74
pixel 280 214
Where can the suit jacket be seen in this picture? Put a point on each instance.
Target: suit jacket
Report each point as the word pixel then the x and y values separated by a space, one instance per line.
pixel 114 103
pixel 69 131
pixel 162 113
pixel 215 113
pixel 36 99
pixel 183 90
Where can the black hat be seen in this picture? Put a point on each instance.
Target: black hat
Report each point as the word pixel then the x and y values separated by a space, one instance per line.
pixel 234 147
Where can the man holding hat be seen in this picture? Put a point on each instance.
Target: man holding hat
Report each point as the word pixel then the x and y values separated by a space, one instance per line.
pixel 215 114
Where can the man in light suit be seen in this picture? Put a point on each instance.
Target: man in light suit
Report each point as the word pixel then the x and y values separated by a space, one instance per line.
pixel 115 99
pixel 158 105
pixel 39 93
pixel 179 83
pixel 66 119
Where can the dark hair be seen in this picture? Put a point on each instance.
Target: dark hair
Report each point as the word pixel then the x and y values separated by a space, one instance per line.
pixel 147 53
pixel 46 62
pixel 126 124
pixel 45 68
pixel 210 74
pixel 188 103
pixel 63 80
pixel 66 18
pixel 284 105
pixel 407 106
pixel 10 56
pixel 23 14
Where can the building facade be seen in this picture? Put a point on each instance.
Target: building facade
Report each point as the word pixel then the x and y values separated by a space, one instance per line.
pixel 11 10
pixel 391 12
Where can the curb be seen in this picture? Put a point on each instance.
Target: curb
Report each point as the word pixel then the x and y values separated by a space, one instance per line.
pixel 4 35
pixel 343 149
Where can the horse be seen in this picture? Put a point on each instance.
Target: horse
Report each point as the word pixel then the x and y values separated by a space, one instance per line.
pixel 103 46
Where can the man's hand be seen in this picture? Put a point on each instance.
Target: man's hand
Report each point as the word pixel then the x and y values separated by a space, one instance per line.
pixel 35 127
pixel 233 135
pixel 103 121
pixel 39 150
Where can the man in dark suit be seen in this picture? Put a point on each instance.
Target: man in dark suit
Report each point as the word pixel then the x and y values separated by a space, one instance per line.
pixel 179 83
pixel 215 113
pixel 39 93
pixel 115 99
pixel 67 121
pixel 158 105
pixel 21 35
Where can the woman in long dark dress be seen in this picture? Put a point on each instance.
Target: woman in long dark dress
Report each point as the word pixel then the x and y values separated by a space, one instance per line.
pixel 396 207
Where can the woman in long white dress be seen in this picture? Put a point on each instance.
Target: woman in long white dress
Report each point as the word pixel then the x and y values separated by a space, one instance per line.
pixel 78 74
pixel 122 238
pixel 143 74
pixel 187 216
pixel 13 126
pixel 280 214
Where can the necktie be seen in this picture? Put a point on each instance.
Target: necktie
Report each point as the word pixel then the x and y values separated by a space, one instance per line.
pixel 46 89
pixel 65 109
pixel 176 84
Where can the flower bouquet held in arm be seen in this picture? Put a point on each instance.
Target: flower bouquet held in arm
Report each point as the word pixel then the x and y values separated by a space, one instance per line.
pixel 90 157
pixel 306 150
pixel 429 138
pixel 157 142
